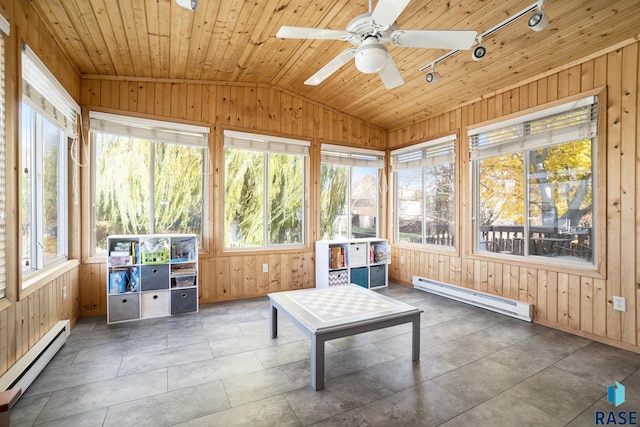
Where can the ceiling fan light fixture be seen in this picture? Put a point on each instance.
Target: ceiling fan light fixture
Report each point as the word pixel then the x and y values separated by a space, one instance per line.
pixel 371 56
pixel 538 21
pixel 188 4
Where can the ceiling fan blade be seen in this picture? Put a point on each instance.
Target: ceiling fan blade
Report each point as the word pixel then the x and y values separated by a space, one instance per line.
pixel 331 67
pixel 434 39
pixel 387 11
pixel 286 32
pixel 390 74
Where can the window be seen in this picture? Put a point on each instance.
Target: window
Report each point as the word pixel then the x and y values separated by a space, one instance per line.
pixel 4 30
pixel 425 176
pixel 148 178
pixel 534 184
pixel 264 191
pixel 349 191
pixel 48 121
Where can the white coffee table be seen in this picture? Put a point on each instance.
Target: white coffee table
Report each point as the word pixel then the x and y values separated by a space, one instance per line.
pixel 340 311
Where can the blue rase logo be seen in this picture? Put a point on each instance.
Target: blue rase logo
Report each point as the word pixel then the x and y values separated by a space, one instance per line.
pixel 615 394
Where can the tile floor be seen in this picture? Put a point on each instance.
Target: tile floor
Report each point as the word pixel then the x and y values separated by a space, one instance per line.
pixel 220 368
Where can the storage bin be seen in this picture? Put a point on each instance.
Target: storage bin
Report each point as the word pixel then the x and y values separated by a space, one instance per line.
pixel 154 304
pixel 377 275
pixel 360 276
pixel 124 307
pixel 338 277
pixel 357 254
pixel 154 277
pixel 184 300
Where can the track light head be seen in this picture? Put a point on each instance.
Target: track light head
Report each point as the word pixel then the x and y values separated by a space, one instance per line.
pixel 479 52
pixel 188 4
pixel 538 21
pixel 432 77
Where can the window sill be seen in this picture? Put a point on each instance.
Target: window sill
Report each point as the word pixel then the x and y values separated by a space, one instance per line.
pixel 4 303
pixel 44 277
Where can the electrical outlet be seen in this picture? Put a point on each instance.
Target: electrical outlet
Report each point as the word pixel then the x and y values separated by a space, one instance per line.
pixel 402 260
pixel 265 268
pixel 619 303
pixel 64 293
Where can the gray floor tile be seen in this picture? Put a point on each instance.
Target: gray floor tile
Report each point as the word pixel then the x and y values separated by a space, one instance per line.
pixel 339 395
pixel 504 410
pixel 169 408
pixel 402 373
pixel 479 381
pixel 426 404
pixel 143 362
pixel 560 394
pixel 270 412
pixel 204 371
pixel 100 394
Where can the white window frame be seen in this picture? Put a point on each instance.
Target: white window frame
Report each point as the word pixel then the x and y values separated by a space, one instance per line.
pixel 48 100
pixel 270 144
pixel 156 132
pixel 420 156
pixel 522 141
pixel 355 157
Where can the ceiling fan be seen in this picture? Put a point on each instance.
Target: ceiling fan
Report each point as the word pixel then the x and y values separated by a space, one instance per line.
pixel 368 33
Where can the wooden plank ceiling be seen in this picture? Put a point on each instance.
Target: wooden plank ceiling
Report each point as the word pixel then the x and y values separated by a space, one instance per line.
pixel 234 41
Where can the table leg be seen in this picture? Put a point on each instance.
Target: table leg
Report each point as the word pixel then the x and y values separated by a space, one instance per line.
pixel 416 337
pixel 317 363
pixel 274 321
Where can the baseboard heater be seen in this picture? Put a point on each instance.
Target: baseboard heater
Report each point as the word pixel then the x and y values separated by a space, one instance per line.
pixel 25 371
pixel 513 308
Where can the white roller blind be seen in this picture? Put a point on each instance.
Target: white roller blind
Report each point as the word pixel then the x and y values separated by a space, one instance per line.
pixel 4 25
pixel 428 153
pixel 265 143
pixel 45 94
pixel 568 122
pixel 156 130
pixel 352 156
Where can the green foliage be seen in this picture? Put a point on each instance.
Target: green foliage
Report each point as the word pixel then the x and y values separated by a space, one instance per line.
pixel 333 195
pixel 123 200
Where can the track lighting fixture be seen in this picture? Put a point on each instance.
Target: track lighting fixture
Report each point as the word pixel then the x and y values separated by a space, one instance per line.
pixel 188 4
pixel 538 21
pixel 479 52
pixel 432 76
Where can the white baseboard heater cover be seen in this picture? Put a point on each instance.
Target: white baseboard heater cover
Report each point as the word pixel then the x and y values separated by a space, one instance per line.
pixel 25 371
pixel 513 308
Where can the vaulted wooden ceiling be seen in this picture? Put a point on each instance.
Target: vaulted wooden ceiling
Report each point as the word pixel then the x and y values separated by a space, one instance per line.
pixel 234 41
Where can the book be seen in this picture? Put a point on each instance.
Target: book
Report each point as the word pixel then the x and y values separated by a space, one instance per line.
pixel 117 282
pixel 134 279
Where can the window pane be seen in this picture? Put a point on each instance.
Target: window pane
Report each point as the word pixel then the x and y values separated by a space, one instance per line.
pixel 560 200
pixel 364 201
pixel 501 203
pixel 178 188
pixel 122 196
pixel 439 187
pixel 333 199
pixel 51 191
pixel 409 197
pixel 286 184
pixel 244 198
pixel 26 191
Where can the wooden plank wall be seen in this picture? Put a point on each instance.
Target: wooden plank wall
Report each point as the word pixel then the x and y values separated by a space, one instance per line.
pixel 26 317
pixel 579 303
pixel 250 108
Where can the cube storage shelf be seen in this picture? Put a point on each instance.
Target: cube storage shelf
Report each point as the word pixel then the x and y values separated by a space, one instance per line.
pixel 363 262
pixel 151 275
